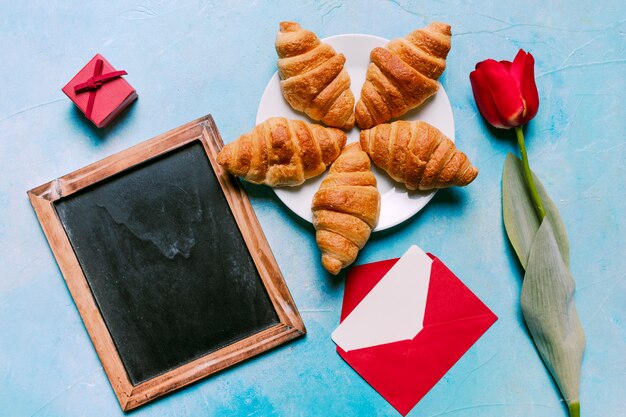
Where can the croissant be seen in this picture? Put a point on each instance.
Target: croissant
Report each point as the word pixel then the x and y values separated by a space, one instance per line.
pixel 345 209
pixel 403 75
pixel 313 78
pixel 418 155
pixel 281 152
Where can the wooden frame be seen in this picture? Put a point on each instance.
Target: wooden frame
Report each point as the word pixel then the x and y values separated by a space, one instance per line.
pixel 290 323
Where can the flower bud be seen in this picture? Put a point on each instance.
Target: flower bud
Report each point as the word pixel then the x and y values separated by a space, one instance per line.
pixel 505 92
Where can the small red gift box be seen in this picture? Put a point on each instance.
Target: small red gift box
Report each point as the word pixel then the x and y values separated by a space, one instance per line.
pixel 99 91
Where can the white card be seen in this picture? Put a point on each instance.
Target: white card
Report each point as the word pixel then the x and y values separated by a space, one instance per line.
pixel 393 310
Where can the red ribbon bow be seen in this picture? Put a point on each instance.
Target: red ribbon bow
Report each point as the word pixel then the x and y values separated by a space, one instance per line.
pixel 95 82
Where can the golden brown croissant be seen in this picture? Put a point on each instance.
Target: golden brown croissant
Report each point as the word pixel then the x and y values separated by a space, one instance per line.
pixel 345 209
pixel 281 152
pixel 418 155
pixel 313 78
pixel 403 75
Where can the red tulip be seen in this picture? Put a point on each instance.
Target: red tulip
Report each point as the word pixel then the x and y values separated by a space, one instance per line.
pixel 505 92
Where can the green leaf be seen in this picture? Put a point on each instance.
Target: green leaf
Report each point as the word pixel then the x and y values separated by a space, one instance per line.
pixel 520 219
pixel 548 307
pixel 548 289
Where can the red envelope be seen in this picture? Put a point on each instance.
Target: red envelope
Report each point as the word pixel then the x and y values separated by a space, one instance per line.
pixel 404 371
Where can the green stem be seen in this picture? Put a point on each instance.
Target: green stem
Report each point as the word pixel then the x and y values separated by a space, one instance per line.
pixel 541 212
pixel 574 409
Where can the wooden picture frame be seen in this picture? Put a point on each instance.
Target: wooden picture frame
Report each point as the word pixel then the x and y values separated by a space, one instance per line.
pixel 290 323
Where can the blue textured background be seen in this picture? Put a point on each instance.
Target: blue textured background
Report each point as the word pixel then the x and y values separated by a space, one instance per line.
pixel 189 58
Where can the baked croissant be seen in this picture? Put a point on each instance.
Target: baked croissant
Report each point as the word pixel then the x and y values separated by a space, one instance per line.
pixel 281 152
pixel 418 155
pixel 403 75
pixel 345 209
pixel 313 78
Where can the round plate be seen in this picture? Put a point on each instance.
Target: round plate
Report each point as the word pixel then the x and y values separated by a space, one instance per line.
pixel 397 203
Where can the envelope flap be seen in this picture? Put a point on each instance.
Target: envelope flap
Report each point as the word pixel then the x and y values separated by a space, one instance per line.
pixel 360 281
pixel 446 287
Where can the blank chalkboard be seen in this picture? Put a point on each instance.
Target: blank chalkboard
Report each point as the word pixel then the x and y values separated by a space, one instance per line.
pixel 173 260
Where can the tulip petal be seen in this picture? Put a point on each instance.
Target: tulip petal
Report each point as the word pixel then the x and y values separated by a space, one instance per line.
pixel 479 64
pixel 529 89
pixel 523 71
pixel 506 93
pixel 484 99
pixel 507 65
pixel 517 67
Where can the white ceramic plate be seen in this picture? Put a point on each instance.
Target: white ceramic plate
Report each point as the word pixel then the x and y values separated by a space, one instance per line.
pixel 397 203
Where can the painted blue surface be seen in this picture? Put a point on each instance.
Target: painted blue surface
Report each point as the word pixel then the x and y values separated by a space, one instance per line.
pixel 189 58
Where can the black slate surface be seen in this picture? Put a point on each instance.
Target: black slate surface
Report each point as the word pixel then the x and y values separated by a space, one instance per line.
pixel 166 262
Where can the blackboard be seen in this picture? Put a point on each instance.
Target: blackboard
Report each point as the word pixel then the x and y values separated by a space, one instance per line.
pixel 173 260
